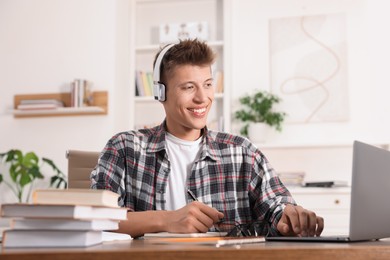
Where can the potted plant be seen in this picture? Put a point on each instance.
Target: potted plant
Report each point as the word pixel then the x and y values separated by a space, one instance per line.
pixel 25 169
pixel 258 113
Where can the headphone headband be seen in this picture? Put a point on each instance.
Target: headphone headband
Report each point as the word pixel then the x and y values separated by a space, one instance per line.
pixel 158 87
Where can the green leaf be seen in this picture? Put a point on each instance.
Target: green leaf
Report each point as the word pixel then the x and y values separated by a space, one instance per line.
pixel 25 179
pixel 259 107
pixel 15 155
pixel 30 160
pixel 13 172
pixel 51 163
pixel 24 169
pixel 35 172
pixel 58 181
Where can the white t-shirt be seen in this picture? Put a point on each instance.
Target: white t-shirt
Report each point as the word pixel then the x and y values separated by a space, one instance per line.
pixel 182 155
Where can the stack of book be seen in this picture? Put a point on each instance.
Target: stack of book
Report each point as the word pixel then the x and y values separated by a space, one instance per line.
pixel 39 104
pixel 292 178
pixel 62 218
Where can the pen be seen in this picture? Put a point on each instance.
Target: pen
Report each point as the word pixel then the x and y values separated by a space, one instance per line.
pixel 189 192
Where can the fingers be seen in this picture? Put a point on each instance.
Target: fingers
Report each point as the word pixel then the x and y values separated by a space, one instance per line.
pixel 194 217
pixel 320 226
pixel 202 215
pixel 300 222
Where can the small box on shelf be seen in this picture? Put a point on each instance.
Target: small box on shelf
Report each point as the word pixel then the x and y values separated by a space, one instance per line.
pixel 98 105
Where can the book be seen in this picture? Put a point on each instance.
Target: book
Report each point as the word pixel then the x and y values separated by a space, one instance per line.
pixel 139 83
pixel 62 211
pixel 41 101
pixel 50 238
pixel 292 178
pixel 63 224
pixel 37 106
pixel 149 76
pixel 218 82
pixel 145 83
pixel 88 197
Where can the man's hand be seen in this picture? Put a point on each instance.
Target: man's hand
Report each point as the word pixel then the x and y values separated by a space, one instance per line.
pixel 195 217
pixel 297 221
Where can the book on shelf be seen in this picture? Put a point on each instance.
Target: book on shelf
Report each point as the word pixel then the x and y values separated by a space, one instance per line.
pixel 218 82
pixel 63 224
pixel 149 76
pixel 39 104
pixel 292 178
pixel 139 84
pixel 62 211
pixel 146 85
pixel 41 101
pixel 88 197
pixel 50 238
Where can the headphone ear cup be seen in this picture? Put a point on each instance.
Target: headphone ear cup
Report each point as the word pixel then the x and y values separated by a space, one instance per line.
pixel 159 92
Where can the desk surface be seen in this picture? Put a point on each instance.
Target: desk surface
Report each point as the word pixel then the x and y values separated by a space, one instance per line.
pixel 146 249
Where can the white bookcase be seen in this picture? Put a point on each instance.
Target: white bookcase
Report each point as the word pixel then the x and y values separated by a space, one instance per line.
pixel 145 18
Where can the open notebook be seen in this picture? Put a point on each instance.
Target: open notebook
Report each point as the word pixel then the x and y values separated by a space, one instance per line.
pixel 370 207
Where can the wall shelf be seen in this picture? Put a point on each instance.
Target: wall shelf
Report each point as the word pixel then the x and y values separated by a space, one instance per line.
pixel 98 106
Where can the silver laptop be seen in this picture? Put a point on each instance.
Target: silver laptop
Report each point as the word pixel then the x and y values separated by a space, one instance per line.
pixel 370 198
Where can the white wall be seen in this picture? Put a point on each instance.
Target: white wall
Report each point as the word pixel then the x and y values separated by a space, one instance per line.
pixel 367 44
pixel 44 45
pixel 366 50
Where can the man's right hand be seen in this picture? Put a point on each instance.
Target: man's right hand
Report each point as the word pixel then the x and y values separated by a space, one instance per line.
pixel 195 217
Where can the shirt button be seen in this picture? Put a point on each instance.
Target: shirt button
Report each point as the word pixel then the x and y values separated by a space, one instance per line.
pixel 166 170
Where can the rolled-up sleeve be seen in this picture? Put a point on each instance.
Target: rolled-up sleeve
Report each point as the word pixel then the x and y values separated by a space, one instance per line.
pixel 109 173
pixel 269 194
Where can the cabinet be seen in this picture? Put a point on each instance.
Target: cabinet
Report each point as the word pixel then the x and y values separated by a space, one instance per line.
pixel 146 16
pixel 98 106
pixel 333 204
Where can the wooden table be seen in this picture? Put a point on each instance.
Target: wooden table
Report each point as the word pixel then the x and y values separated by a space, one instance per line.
pixel 146 249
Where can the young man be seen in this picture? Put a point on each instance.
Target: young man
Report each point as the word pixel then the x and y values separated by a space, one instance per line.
pixel 155 171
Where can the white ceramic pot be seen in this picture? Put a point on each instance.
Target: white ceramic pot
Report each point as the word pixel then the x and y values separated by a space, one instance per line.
pixel 257 132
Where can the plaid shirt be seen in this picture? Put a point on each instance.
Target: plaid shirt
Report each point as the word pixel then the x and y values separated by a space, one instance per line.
pixel 231 175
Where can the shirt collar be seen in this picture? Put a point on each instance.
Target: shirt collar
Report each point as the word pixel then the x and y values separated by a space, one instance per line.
pixel 157 142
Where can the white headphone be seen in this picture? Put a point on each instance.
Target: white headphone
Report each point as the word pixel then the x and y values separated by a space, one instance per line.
pixel 158 87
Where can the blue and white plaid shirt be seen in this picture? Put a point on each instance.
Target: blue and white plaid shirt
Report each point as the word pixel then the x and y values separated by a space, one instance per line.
pixel 231 175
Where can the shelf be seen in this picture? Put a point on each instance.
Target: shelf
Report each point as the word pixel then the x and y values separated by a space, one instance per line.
pixel 97 107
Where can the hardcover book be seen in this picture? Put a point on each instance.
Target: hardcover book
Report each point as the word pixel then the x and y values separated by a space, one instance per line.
pixel 75 197
pixel 62 211
pixel 63 224
pixel 50 238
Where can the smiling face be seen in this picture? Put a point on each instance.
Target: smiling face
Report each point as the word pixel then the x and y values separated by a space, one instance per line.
pixel 190 93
